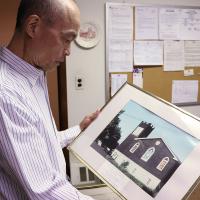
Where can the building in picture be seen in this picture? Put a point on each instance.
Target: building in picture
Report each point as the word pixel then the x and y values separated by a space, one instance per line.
pixel 148 160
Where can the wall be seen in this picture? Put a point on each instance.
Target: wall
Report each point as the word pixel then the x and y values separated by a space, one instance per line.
pixel 8 12
pixel 91 63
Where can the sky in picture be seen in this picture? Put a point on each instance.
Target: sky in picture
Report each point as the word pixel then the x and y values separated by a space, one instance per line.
pixel 177 140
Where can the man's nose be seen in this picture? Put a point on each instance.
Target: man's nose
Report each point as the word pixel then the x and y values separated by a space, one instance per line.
pixel 67 48
pixel 67 51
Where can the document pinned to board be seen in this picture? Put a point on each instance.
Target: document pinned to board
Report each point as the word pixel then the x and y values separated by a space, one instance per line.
pixel 138 77
pixel 192 53
pixel 146 23
pixel 184 91
pixel 190 24
pixel 148 53
pixel 117 80
pixel 120 39
pixel 179 24
pixel 169 20
pixel 173 55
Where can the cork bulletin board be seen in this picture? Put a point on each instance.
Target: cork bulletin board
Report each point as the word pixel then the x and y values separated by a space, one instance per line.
pixel 159 83
pixel 155 79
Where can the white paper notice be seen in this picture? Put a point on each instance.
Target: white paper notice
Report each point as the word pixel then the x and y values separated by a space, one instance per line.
pixel 184 91
pixel 146 23
pixel 138 77
pixel 148 52
pixel 120 39
pixel 190 24
pixel 188 72
pixel 192 53
pixel 117 80
pixel 173 55
pixel 169 23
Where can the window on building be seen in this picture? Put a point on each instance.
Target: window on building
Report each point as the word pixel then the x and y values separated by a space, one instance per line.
pixel 134 147
pixel 163 163
pixel 114 155
pixel 83 174
pixel 86 176
pixel 91 176
pixel 148 153
pixel 137 131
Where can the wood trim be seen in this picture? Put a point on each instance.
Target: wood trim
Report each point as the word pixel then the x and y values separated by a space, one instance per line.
pixel 62 96
pixel 52 83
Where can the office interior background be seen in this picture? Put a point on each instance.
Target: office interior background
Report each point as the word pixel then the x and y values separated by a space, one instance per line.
pixel 69 103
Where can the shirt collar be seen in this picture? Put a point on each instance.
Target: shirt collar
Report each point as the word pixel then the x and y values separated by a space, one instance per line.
pixel 21 66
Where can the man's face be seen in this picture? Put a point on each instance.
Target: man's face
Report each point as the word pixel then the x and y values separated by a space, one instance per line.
pixel 52 44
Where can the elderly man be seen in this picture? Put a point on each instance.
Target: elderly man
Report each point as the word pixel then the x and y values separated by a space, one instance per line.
pixel 32 164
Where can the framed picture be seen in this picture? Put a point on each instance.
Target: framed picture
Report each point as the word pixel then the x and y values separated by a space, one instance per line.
pixel 142 146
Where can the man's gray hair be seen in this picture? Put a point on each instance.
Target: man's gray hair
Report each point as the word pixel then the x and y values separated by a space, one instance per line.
pixel 46 9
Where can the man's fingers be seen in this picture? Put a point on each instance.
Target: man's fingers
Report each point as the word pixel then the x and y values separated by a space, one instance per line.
pixel 94 115
pixel 88 119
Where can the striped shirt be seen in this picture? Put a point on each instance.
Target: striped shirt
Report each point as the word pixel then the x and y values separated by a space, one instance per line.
pixel 32 164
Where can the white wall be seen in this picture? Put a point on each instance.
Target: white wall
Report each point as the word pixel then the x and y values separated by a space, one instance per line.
pixel 91 63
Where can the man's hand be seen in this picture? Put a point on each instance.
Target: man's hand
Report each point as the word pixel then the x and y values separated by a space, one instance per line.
pixel 88 119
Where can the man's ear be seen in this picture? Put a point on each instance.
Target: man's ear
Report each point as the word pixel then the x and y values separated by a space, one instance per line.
pixel 32 25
